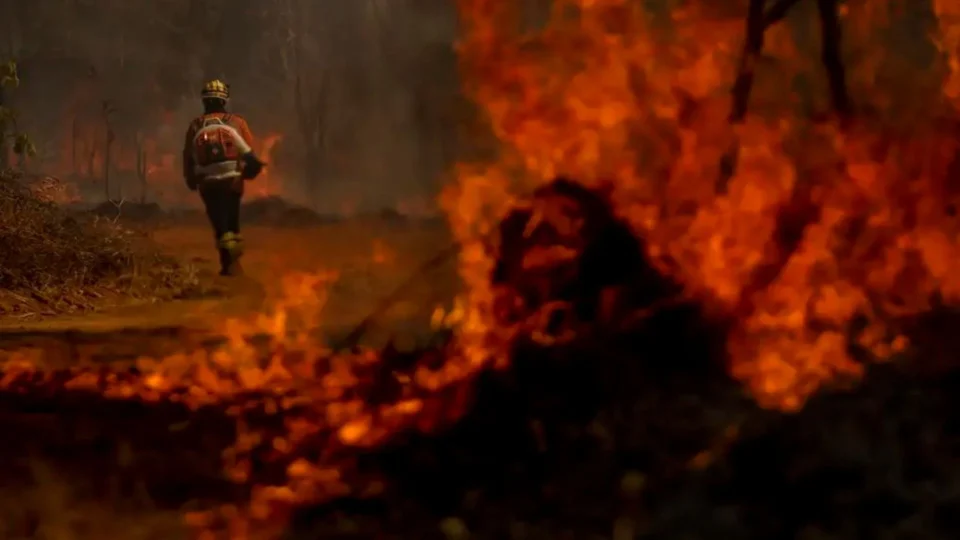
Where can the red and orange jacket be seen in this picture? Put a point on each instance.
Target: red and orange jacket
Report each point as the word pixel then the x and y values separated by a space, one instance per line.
pixel 231 119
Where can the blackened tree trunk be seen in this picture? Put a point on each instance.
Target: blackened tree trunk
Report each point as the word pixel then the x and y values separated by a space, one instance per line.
pixel 107 112
pixel 830 55
pixel 4 135
pixel 759 19
pixel 74 140
pixel 743 85
pixel 142 167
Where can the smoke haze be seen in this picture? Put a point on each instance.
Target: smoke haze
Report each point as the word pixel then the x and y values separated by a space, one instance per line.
pixel 359 99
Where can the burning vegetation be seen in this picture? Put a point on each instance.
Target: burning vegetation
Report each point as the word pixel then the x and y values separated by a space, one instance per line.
pixel 642 250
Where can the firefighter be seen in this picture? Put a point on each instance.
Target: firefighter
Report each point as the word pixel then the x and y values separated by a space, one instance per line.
pixel 218 158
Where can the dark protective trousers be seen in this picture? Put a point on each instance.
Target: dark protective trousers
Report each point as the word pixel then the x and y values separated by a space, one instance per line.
pixel 222 202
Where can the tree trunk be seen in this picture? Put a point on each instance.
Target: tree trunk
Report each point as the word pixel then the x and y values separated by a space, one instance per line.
pixel 142 168
pixel 4 148
pixel 106 163
pixel 830 54
pixel 91 159
pixel 752 47
pixel 742 87
pixel 312 130
pixel 74 139
pixel 759 18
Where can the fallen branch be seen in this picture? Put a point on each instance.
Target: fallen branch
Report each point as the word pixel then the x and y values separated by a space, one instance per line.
pixel 352 339
pixel 118 204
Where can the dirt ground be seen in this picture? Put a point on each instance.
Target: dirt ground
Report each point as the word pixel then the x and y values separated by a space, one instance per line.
pixel 371 259
pixel 657 446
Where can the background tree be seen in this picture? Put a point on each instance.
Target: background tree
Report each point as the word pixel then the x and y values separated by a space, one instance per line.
pixel 361 92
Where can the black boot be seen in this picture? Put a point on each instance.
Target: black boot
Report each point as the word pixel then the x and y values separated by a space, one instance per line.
pixel 230 248
pixel 225 262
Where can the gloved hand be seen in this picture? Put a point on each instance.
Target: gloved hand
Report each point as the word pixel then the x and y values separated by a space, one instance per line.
pixel 251 166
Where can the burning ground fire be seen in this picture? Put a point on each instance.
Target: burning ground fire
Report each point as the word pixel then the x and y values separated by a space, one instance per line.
pixel 148 170
pixel 805 256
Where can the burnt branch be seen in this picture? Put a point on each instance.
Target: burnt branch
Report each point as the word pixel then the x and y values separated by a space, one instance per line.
pixel 778 12
pixel 743 85
pixel 748 60
pixel 830 55
pixel 759 19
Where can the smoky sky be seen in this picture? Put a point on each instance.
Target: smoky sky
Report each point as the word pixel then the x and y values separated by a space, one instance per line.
pixel 378 75
pixel 379 78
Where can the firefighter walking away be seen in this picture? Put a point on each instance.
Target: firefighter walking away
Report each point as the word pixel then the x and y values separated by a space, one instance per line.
pixel 218 159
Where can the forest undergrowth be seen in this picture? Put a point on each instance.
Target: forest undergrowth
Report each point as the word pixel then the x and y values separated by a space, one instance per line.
pixel 53 261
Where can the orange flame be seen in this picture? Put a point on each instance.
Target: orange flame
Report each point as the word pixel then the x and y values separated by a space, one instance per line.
pixel 947 40
pixel 268 183
pixel 616 99
pixel 595 97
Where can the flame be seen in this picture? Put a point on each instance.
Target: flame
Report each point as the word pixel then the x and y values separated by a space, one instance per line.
pixel 320 394
pixel 947 39
pixel 382 254
pixel 81 159
pixel 619 99
pixel 416 207
pixel 598 97
pixel 268 183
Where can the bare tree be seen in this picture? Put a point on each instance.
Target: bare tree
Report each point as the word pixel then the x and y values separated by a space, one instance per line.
pixel 90 147
pixel 759 19
pixel 74 143
pixel 6 115
pixel 310 102
pixel 107 111
pixel 309 72
pixel 142 169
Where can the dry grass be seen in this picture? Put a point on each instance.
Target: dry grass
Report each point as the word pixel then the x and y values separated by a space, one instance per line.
pixel 55 262
pixel 372 258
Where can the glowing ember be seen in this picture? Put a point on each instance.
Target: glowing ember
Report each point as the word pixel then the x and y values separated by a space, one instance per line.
pixel 382 254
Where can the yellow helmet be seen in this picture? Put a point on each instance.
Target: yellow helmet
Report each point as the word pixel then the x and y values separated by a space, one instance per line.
pixel 216 89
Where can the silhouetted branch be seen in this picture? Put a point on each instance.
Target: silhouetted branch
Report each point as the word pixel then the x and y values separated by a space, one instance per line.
pixel 778 12
pixel 748 60
pixel 836 74
pixel 743 84
pixel 759 19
